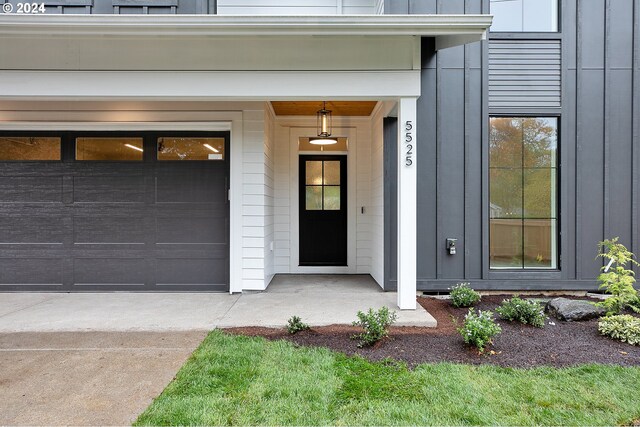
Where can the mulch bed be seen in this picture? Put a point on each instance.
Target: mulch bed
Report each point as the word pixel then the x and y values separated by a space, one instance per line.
pixel 519 346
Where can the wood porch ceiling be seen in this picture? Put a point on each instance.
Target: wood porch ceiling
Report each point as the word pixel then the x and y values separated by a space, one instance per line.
pixel 309 108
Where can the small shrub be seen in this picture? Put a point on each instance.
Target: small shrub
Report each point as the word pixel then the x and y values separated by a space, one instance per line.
pixel 622 327
pixel 375 324
pixel 463 296
pixel 616 279
pixel 524 311
pixel 294 324
pixel 478 329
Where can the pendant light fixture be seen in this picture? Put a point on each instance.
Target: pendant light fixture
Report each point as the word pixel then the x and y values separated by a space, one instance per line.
pixel 324 127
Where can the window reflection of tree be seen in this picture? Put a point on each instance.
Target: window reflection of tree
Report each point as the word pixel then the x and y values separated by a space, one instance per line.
pixel 522 191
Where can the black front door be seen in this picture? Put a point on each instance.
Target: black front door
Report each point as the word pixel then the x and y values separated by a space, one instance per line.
pixel 323 210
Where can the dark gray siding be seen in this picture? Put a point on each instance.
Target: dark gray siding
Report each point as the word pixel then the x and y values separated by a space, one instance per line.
pixel 125 6
pixel 599 110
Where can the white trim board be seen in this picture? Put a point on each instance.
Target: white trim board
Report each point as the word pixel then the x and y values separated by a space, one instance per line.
pixel 208 86
pixel 295 133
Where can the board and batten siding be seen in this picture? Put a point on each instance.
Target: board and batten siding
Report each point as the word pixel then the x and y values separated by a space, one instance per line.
pixel 299 7
pixel 600 126
pixel 524 74
pixel 599 114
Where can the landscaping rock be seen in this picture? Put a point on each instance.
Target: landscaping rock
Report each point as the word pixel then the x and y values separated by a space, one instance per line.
pixel 573 310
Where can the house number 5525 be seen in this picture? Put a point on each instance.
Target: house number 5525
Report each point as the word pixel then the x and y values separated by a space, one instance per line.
pixel 408 142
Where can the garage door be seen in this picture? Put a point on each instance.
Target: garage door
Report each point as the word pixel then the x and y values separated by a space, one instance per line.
pixel 114 211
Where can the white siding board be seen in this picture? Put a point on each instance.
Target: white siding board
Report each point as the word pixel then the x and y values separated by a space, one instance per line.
pixel 376 208
pixel 252 199
pixel 253 221
pixel 252 231
pixel 254 157
pixel 252 189
pixel 253 178
pixel 255 210
pixel 269 200
pixel 253 253
pixel 282 262
pixel 253 263
pixel 363 199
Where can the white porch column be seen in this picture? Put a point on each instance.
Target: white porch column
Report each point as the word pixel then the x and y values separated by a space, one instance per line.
pixel 407 204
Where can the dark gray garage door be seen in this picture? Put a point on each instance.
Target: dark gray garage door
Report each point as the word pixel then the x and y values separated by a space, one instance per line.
pixel 114 211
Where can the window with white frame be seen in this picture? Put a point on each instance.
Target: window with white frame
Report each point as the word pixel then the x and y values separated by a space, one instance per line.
pixel 524 15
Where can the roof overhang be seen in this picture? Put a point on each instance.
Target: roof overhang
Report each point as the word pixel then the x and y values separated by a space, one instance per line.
pixel 449 30
pixel 222 57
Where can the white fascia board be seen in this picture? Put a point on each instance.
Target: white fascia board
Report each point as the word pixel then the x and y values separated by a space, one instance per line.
pixel 243 25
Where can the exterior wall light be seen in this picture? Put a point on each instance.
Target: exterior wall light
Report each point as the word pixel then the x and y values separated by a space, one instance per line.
pixel 324 124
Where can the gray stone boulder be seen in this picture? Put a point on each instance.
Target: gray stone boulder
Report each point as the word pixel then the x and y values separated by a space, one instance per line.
pixel 573 310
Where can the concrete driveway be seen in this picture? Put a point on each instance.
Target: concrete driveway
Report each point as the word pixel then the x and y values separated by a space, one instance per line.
pixel 86 378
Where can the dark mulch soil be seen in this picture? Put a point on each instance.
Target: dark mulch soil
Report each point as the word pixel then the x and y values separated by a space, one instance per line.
pixel 520 346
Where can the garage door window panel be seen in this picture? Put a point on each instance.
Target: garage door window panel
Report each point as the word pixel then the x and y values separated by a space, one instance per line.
pixel 29 148
pixel 125 149
pixel 189 148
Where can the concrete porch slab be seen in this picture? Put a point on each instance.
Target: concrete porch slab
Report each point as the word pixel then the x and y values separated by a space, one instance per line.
pixel 319 300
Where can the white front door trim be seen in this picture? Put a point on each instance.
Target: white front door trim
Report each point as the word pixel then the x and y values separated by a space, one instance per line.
pixel 295 134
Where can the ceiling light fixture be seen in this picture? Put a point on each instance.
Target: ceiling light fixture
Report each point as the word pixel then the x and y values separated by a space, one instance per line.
pixel 211 148
pixel 324 124
pixel 134 147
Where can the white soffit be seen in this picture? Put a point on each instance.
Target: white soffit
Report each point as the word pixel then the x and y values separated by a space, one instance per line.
pixel 443 27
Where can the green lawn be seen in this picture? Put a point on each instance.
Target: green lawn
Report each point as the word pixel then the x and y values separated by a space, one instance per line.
pixel 234 380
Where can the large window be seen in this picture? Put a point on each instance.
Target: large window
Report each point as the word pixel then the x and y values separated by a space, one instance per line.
pixel 524 15
pixel 523 192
